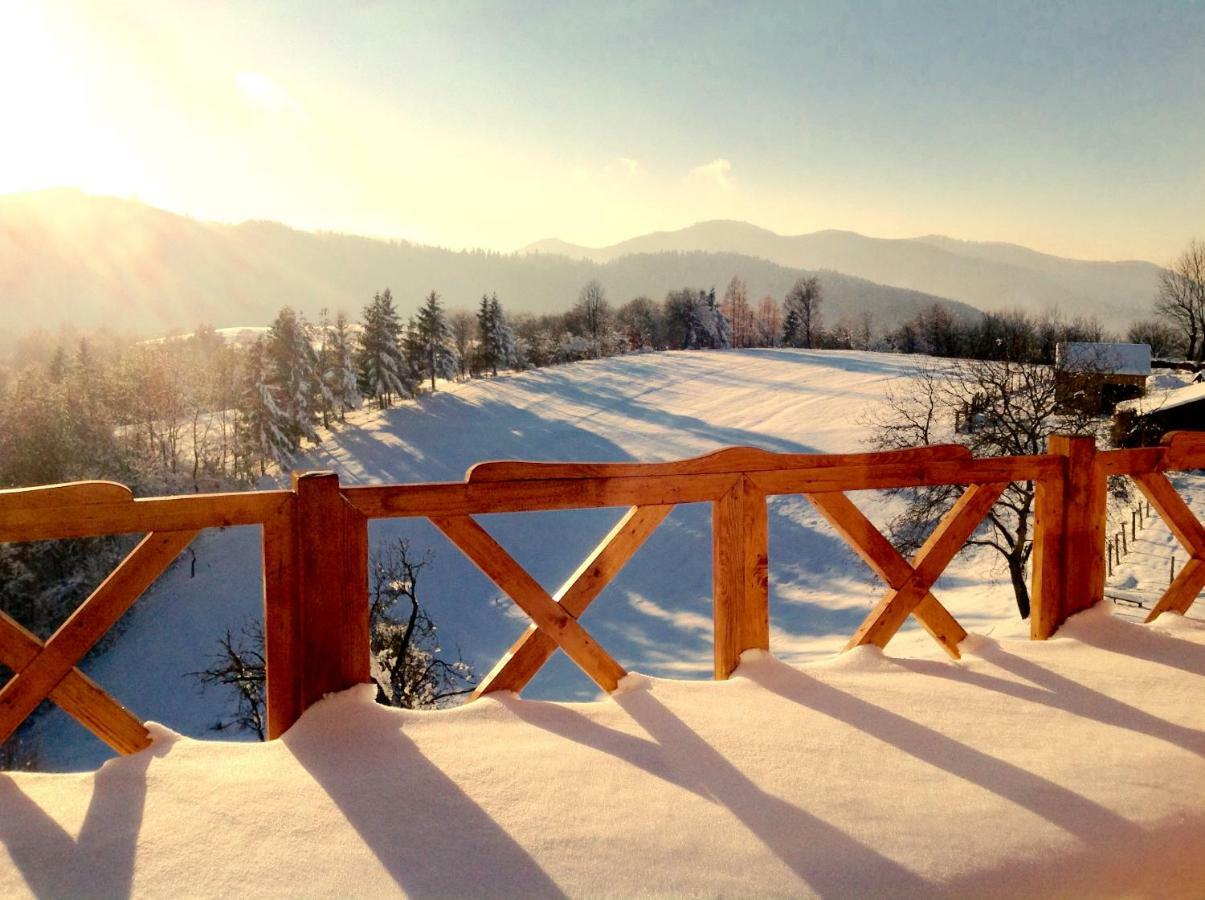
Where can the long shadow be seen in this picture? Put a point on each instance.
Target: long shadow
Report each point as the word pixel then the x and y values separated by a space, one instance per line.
pixel 1058 692
pixel 1133 640
pixel 384 796
pixel 827 859
pixel 100 862
pixel 1057 804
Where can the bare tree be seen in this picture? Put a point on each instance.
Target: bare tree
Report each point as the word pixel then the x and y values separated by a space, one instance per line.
pixel 735 306
pixel 408 664
pixel 591 315
pixel 1181 299
pixel 803 322
pixel 239 665
pixel 994 407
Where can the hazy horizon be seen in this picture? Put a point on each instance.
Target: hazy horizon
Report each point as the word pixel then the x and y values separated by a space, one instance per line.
pixel 1074 129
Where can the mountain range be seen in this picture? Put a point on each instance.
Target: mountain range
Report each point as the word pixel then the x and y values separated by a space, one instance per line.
pixel 989 276
pixel 72 258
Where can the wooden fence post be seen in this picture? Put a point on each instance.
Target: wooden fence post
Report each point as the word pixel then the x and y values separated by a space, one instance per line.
pixel 740 560
pixel 332 565
pixel 1069 537
pixel 282 621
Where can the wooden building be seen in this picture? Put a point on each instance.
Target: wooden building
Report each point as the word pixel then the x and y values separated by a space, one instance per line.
pixel 1095 377
pixel 1143 422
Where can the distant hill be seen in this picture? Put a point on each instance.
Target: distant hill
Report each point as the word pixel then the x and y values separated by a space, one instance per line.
pixel 70 257
pixel 989 276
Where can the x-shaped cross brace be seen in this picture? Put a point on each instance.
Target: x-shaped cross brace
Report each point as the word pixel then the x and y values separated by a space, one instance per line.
pixel 1188 531
pixel 49 670
pixel 554 620
pixel 910 583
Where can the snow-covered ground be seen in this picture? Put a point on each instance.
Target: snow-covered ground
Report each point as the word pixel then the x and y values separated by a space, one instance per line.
pixel 1071 768
pixel 656 617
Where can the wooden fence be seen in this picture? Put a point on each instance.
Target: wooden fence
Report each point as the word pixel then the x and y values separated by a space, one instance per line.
pixel 315 556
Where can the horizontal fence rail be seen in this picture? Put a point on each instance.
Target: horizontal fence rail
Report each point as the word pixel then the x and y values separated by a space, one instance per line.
pixel 315 556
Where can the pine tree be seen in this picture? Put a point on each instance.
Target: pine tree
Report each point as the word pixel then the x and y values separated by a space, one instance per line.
pixel 261 428
pixel 381 368
pixel 293 372
pixel 496 340
pixel 339 377
pixel 485 336
pixel 435 339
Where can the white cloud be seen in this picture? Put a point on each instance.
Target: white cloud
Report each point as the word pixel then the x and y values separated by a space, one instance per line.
pixel 261 92
pixel 628 165
pixel 717 173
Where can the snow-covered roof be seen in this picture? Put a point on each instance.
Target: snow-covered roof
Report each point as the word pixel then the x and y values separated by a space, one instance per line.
pixel 1161 400
pixel 1024 769
pixel 1107 358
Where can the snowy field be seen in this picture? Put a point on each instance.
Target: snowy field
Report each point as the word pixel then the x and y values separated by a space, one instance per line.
pixel 1070 768
pixel 656 617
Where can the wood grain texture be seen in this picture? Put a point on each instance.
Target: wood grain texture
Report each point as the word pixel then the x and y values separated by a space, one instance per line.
pixel 332 566
pixel 57 496
pixel 1184 450
pixel 739 561
pixel 727 461
pixel 1049 575
pixel 548 615
pixel 77 694
pixel 184 513
pixel 84 627
pixel 282 620
pixel 887 562
pixel 951 533
pixel 534 648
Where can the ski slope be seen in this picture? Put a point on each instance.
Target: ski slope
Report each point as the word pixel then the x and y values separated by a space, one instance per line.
pixel 655 618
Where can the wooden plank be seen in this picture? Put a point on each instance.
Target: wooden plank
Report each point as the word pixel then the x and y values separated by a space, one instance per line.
pixel 1049 579
pixel 56 496
pixel 186 513
pixel 332 565
pixel 282 621
pixel 77 694
pixel 1183 590
pixel 534 648
pixel 84 627
pixel 454 499
pixel 1174 511
pixel 739 560
pixel 1184 450
pixel 1132 462
pixel 731 460
pixel 977 471
pixel 553 619
pixel 951 533
pixel 886 562
pixel 1084 524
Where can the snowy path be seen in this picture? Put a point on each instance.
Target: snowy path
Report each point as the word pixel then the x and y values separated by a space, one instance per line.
pixel 1074 767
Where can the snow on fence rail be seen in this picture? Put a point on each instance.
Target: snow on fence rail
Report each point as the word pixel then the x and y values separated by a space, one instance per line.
pixel 315 556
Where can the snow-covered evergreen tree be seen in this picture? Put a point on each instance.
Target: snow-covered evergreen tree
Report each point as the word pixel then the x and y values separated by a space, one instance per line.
pixel 381 368
pixel 339 375
pixel 435 339
pixel 293 371
pixel 496 340
pixel 261 429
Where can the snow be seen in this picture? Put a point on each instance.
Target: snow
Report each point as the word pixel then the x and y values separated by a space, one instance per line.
pixel 655 617
pixel 1073 767
pixel 1165 399
pixel 1114 358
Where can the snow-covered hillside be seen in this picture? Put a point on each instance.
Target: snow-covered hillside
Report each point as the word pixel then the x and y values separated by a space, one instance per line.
pixel 656 617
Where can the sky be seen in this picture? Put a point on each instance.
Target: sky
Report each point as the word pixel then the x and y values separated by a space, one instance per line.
pixel 1074 128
